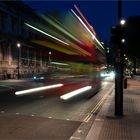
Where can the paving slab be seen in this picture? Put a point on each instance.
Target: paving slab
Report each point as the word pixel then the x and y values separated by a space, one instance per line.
pixel 107 126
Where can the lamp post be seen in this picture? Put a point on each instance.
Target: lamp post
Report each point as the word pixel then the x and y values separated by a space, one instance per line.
pixel 50 56
pixel 18 46
pixel 119 67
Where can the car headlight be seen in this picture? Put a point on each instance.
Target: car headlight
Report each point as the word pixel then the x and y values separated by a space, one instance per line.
pixel 42 78
pixel 34 77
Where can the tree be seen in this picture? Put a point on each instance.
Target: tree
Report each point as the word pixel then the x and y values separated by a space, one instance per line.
pixel 132 31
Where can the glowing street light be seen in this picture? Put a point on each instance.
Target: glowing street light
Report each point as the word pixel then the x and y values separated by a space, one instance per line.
pixel 50 53
pixel 107 50
pixel 50 56
pixel 123 40
pixel 18 45
pixel 126 58
pixel 122 21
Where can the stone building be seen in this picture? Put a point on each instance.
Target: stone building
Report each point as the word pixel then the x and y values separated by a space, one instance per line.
pixel 29 58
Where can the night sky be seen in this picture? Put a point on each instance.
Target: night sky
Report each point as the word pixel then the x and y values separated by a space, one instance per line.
pixel 102 15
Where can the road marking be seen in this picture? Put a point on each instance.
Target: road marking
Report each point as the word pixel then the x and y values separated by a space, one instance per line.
pixel 95 109
pixel 99 119
pixel 88 117
pixel 79 131
pixel 17 113
pixel 74 138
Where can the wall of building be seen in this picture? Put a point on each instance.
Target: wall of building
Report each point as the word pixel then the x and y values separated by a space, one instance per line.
pixel 12 31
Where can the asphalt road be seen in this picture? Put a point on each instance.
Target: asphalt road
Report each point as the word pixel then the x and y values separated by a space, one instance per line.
pixel 43 115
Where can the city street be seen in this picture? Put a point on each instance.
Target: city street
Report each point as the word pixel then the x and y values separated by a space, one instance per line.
pixel 69 70
pixel 39 107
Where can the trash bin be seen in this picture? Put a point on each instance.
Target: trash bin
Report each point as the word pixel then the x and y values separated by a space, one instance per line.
pixel 125 83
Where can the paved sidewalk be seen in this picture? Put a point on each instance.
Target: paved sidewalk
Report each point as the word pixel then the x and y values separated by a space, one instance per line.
pixel 16 80
pixel 109 127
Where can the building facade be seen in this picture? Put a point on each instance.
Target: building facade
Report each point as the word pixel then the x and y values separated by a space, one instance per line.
pixel 26 58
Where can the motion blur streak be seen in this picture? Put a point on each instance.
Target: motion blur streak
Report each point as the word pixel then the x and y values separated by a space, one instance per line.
pixel 83 24
pixel 93 36
pixel 60 27
pixel 75 92
pixel 37 89
pixel 84 19
pixel 45 33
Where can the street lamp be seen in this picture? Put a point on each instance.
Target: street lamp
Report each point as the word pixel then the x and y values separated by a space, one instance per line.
pixel 122 22
pixel 126 58
pixel 50 56
pixel 119 68
pixel 18 46
pixel 123 40
pixel 107 50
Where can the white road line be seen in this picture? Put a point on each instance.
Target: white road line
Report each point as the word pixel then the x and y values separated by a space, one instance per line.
pixel 88 117
pixel 74 138
pixel 99 119
pixel 79 131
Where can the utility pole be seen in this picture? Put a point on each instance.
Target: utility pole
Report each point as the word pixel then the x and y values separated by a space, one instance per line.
pixel 119 70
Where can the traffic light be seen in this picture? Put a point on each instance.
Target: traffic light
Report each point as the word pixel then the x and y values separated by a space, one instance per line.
pixel 116 35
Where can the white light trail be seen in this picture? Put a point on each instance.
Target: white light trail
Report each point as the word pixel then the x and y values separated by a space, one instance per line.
pixel 83 23
pixel 23 92
pixel 46 33
pixel 75 92
pixel 57 63
pixel 93 36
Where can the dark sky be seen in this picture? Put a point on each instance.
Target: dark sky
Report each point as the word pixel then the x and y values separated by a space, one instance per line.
pixel 102 15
